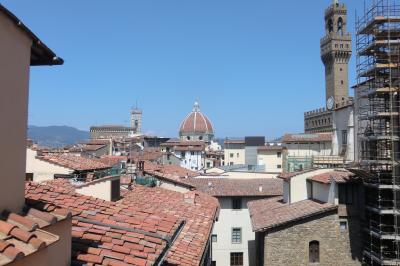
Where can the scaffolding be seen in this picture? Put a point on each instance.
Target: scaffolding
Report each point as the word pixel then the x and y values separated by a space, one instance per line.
pixel 377 110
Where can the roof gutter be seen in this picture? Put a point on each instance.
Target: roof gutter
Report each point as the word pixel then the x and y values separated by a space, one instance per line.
pixel 160 260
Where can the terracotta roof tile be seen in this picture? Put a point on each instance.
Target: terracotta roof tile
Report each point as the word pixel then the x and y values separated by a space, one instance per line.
pixel 268 213
pixel 76 163
pixel 339 176
pixel 20 236
pixel 132 230
pixel 223 187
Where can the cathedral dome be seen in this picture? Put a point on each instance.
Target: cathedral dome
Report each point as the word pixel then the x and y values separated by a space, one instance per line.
pixel 196 124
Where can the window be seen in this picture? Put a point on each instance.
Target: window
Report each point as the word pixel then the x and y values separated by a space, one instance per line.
pixel 231 155
pixel 237 155
pixel 183 154
pixel 192 153
pixel 346 194
pixel 342 82
pixel 279 166
pixel 279 154
pixel 314 252
pixel 344 137
pixel 236 203
pixel 237 259
pixel 201 138
pixel 343 226
pixel 29 177
pixel 214 238
pixel 168 157
pixel 340 26
pixel 236 235
pixel 213 263
pixel 188 138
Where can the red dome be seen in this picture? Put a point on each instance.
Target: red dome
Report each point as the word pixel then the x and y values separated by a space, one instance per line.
pixel 196 123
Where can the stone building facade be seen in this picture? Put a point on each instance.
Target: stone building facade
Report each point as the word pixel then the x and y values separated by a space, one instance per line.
pixel 334 242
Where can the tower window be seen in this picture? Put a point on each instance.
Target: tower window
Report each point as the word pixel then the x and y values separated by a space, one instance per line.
pixel 342 82
pixel 330 26
pixel 340 26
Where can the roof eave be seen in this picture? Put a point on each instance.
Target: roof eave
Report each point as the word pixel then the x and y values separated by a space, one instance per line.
pixel 41 55
pixel 264 229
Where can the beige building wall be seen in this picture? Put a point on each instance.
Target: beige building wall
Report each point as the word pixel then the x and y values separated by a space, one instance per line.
pixel 309 149
pixel 15 50
pixel 271 160
pixel 41 170
pixel 100 188
pixel 235 156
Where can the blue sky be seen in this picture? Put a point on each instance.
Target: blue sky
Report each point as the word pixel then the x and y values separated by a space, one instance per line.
pixel 253 65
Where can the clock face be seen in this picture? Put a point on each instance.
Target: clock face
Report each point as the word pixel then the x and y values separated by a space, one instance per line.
pixel 330 103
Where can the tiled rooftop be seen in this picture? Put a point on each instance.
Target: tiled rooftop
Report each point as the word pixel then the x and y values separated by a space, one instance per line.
pixel 112 160
pixel 269 213
pixel 146 155
pixel 76 163
pixel 288 176
pixel 339 176
pixel 318 137
pixel 20 234
pixel 224 187
pixel 135 230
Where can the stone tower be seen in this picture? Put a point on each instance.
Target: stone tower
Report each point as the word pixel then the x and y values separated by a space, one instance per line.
pixel 336 53
pixel 136 120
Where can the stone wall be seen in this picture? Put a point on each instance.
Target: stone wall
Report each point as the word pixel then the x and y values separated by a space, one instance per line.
pixel 289 245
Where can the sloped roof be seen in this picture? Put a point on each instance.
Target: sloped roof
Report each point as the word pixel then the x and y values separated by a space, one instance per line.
pixel 269 213
pixel 21 234
pixel 339 176
pixel 40 53
pixel 225 187
pixel 137 229
pixel 77 163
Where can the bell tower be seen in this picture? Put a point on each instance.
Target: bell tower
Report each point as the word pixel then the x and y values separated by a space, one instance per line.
pixel 336 53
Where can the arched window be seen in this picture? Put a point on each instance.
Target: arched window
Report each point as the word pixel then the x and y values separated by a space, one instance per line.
pixel 314 252
pixel 330 25
pixel 340 26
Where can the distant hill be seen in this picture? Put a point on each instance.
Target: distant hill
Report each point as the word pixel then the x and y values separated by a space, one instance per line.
pixel 56 136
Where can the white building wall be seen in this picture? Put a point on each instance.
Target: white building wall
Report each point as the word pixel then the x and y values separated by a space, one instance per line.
pixel 321 192
pixel 298 185
pixel 41 170
pixel 343 119
pixel 271 161
pixel 228 219
pixel 191 161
